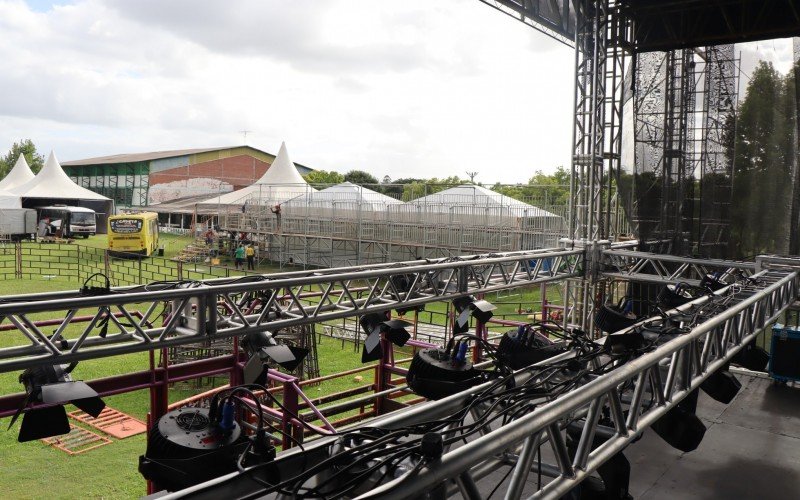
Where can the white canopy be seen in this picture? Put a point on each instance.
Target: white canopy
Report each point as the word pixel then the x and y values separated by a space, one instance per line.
pixel 281 182
pixel 469 198
pixel 346 193
pixel 9 200
pixel 53 182
pixel 19 175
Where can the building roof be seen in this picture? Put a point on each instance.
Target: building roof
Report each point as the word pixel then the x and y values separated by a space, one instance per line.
pixel 53 182
pixel 19 175
pixel 156 155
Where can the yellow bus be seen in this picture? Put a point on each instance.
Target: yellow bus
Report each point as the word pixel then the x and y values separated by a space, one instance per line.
pixel 133 234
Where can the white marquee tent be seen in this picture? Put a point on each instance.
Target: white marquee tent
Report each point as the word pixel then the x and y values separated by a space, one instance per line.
pixel 53 183
pixel 19 175
pixel 281 182
pixel 9 200
pixel 345 194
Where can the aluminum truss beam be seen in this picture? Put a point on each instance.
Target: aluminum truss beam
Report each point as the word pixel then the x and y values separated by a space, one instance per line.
pixel 658 268
pixel 637 393
pixel 554 18
pixel 195 311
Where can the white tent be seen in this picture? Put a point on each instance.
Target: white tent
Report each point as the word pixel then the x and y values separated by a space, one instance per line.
pixel 9 200
pixel 20 174
pixel 345 195
pixel 474 200
pixel 281 182
pixel 53 183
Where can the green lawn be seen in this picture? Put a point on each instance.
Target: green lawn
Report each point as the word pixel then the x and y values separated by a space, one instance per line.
pixel 110 471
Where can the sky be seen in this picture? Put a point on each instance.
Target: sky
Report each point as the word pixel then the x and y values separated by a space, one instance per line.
pixel 404 89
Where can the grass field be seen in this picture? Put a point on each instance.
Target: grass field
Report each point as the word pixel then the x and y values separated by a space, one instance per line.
pixel 110 471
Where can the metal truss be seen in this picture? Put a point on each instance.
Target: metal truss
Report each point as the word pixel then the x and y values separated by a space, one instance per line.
pixel 195 311
pixel 554 18
pixel 658 268
pixel 608 412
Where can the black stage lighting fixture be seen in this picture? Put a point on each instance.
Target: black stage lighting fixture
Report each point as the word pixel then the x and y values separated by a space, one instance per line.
pixel 613 318
pixel 373 325
pixel 722 386
pixel 437 373
pixel 680 427
pixel 466 306
pixel 752 357
pixel 672 296
pixel 712 282
pixel 402 284
pixel 191 445
pixel 526 346
pixel 615 473
pixel 53 385
pixel 263 349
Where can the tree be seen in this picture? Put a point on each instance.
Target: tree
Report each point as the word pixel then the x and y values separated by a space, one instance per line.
pixel 764 156
pixel 361 178
pixel 323 177
pixel 542 190
pixel 24 147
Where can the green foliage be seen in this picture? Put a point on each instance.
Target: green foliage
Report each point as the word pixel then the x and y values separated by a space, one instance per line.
pixel 24 147
pixel 324 177
pixel 763 151
pixel 542 189
pixel 418 188
pixel 361 178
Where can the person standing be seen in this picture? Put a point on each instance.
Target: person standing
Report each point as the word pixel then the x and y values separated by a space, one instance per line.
pixel 42 229
pixel 239 256
pixel 250 253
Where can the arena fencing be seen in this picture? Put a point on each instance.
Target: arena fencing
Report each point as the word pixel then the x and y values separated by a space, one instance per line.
pixel 38 260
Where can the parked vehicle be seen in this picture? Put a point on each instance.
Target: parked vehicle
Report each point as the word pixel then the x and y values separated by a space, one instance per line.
pixel 69 222
pixel 133 234
pixel 18 223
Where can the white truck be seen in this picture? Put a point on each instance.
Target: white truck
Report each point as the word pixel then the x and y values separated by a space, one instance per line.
pixel 18 223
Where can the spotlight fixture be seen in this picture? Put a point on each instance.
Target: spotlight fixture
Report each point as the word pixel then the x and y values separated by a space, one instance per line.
pixel 722 386
pixel 437 373
pixel 712 282
pixel 752 357
pixel 189 445
pixel 402 285
pixel 612 318
pixel 672 296
pixel 680 427
pixel 53 385
pixel 526 346
pixel 479 309
pixel 373 325
pixel 263 349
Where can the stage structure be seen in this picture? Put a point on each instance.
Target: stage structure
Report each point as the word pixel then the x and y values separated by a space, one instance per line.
pixel 353 225
pixel 565 418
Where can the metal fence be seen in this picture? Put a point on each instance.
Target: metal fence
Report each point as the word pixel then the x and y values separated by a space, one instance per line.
pixel 34 260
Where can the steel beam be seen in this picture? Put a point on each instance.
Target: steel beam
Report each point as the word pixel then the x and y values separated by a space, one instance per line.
pixel 195 311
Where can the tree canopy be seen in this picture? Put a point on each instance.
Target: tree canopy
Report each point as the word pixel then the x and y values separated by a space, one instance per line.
pixel 24 147
pixel 324 177
pixel 361 178
pixel 764 153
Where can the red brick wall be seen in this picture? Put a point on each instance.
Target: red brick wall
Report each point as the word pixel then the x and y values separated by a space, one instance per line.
pixel 240 171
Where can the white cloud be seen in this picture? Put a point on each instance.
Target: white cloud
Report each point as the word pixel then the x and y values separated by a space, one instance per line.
pixel 403 88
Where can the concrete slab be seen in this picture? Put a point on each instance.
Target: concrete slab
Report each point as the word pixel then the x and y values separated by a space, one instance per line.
pixel 751 450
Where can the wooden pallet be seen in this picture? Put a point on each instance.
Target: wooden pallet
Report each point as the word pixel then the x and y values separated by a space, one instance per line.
pixel 77 441
pixel 112 422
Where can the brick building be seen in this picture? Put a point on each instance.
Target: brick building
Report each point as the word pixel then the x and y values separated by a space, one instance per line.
pixel 141 179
